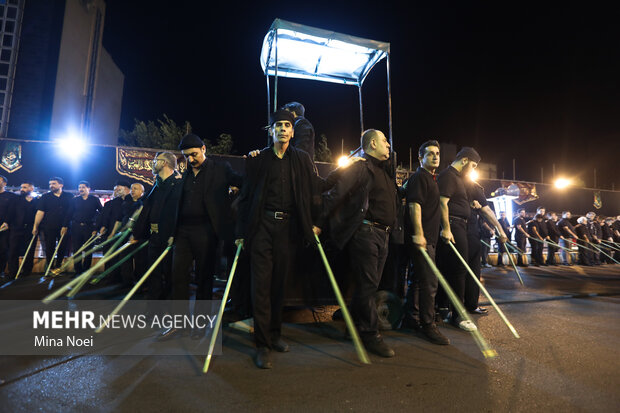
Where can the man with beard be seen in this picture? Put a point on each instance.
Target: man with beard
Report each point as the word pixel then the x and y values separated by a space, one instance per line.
pixel 54 211
pixel 455 211
pixel 521 235
pixel 135 266
pixel 274 218
pixel 85 211
pixel 112 213
pixel 6 198
pixel 20 219
pixel 422 222
pixel 157 223
pixel 204 218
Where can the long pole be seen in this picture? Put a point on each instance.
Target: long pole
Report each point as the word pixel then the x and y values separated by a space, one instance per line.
pixel 134 289
pixel 25 256
pixel 86 254
pixel 361 351
pixel 603 252
pixel 484 290
pixel 487 351
pixel 54 255
pixel 512 261
pixel 220 313
pixel 118 264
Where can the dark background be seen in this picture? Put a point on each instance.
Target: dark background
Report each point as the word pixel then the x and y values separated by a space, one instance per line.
pixel 530 81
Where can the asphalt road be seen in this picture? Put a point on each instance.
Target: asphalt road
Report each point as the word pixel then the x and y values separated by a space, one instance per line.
pixel 566 360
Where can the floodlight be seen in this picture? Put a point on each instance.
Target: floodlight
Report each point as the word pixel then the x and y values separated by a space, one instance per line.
pixel 344 161
pixel 562 183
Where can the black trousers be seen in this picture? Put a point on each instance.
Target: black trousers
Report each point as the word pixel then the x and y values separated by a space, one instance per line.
pixel 420 300
pixel 135 267
pixel 80 233
pixel 394 272
pixel 50 238
pixel 551 250
pixel 4 249
pixel 450 265
pixel 586 257
pixel 368 250
pixel 537 251
pixel 472 290
pixel 194 244
pixel 272 255
pixel 18 242
pixel 160 281
pixel 521 244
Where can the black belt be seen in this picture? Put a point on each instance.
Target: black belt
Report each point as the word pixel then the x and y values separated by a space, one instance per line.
pixel 278 214
pixel 382 227
pixel 458 219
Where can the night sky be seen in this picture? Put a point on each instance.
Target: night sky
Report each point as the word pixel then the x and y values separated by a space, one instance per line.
pixel 538 83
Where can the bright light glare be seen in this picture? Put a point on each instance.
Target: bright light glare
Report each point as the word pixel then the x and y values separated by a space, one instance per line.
pixel 72 146
pixel 562 183
pixel 343 161
pixel 473 175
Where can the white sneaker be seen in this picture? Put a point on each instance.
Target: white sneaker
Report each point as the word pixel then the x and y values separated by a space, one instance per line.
pixel 467 325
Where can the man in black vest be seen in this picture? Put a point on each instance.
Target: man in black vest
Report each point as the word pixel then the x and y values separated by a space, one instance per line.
pixel 275 215
pixel 54 211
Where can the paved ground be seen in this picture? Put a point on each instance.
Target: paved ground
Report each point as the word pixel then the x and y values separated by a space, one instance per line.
pixel 566 360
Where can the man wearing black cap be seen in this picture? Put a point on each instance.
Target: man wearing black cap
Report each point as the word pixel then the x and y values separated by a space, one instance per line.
pixel 362 211
pixel 85 211
pixel 303 129
pixel 455 211
pixel 54 211
pixel 274 217
pixel 204 218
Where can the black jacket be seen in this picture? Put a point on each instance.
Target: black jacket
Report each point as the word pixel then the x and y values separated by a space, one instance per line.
pixel 304 136
pixel 346 204
pixel 164 212
pixel 216 195
pixel 251 200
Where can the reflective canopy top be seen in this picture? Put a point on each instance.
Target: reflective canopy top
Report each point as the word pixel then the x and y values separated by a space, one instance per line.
pixel 306 52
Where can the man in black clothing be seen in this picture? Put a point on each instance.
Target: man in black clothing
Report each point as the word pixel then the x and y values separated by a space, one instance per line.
pixel 521 235
pixel 455 211
pixel 20 220
pixel 567 232
pixel 596 233
pixel 505 224
pixel 303 129
pixel 157 223
pixel 54 212
pixel 422 222
pixel 135 266
pixel 586 257
pixel 6 198
pixel 112 213
pixel 553 232
pixel 534 229
pixel 204 218
pixel 275 215
pixel 85 211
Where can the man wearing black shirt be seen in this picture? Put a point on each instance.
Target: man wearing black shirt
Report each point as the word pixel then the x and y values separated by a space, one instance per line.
pixel 567 231
pixel 135 266
pixel 521 235
pixel 596 233
pixel 534 228
pixel 275 216
pixel 6 198
pixel 204 218
pixel 586 257
pixel 112 213
pixel 303 129
pixel 553 232
pixel 85 210
pixel 505 224
pixel 361 209
pixel 20 219
pixel 54 211
pixel 455 211
pixel 422 222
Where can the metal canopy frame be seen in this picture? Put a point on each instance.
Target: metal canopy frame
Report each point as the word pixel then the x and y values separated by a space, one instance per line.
pixel 304 52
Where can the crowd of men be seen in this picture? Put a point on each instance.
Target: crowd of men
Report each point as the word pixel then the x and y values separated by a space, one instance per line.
pixel 281 206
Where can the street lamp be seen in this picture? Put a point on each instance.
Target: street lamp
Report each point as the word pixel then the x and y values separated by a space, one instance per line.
pixel 562 183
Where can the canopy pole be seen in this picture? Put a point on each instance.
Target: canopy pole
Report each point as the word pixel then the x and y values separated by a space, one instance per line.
pixel 268 106
pixel 359 88
pixel 389 90
pixel 275 87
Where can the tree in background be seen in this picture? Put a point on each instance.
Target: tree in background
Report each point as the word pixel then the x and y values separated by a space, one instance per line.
pixel 166 134
pixel 323 153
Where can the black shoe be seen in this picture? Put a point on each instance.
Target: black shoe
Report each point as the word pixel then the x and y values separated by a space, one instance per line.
pixel 410 323
pixel 280 346
pixel 197 333
pixel 432 333
pixel 375 344
pixel 479 311
pixel 262 359
pixel 169 333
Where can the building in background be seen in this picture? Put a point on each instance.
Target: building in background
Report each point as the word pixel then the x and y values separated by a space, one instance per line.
pixel 56 79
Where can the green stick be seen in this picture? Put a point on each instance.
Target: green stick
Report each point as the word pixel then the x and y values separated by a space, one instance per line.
pixel 359 348
pixel 134 289
pixel 486 293
pixel 118 264
pixel 86 254
pixel 610 245
pixel 220 314
pixel 487 351
pixel 25 255
pixel 54 255
pixel 603 252
pixel 512 261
